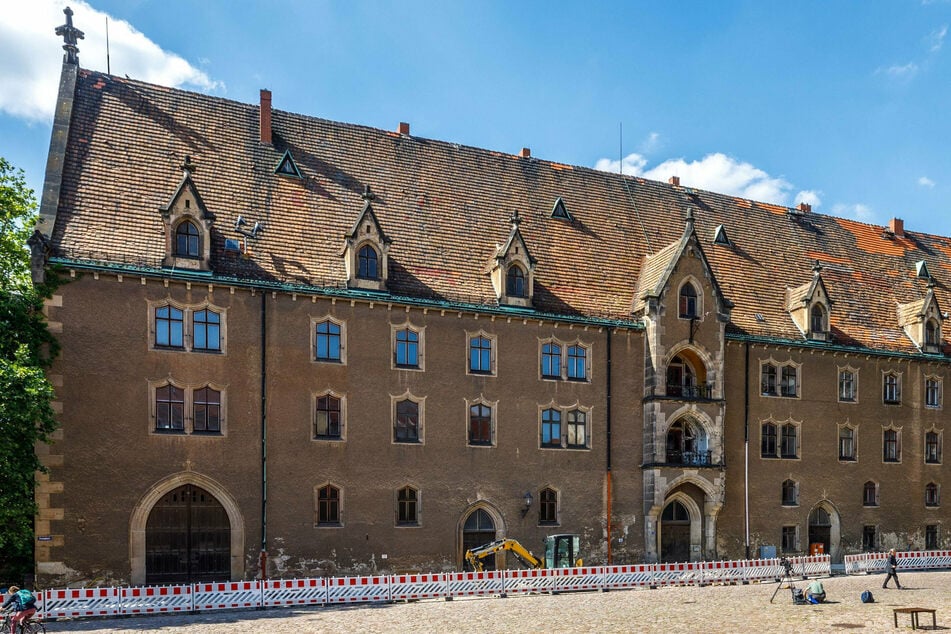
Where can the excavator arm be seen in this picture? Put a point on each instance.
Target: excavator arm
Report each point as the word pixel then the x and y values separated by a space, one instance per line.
pixel 475 555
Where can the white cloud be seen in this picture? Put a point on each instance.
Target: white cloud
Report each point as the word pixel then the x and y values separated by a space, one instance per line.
pixel 895 71
pixel 937 38
pixel 856 211
pixel 650 143
pixel 32 54
pixel 924 181
pixel 808 196
pixel 716 172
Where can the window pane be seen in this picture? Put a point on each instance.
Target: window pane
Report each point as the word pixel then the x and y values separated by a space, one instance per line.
pixel 577 367
pixel 480 355
pixel 168 327
pixel 551 428
pixel 480 425
pixel 551 360
pixel 407 422
pixel 327 420
pixel 577 429
pixel 407 348
pixel 327 341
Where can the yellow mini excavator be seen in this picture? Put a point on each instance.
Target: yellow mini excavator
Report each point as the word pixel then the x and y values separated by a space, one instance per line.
pixel 561 551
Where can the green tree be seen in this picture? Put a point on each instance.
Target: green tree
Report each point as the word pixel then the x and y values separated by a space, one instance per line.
pixel 26 351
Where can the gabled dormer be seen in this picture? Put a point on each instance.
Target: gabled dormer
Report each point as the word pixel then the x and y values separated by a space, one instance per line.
pixel 922 321
pixel 187 226
pixel 366 250
pixel 810 307
pixel 512 269
pixel 287 166
pixel 656 279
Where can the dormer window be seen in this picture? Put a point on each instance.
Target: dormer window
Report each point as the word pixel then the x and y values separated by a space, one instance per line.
pixel 368 263
pixel 512 269
pixel 187 240
pixel 187 226
pixel 921 320
pixel 287 166
pixel 818 319
pixel 688 302
pixel 515 281
pixel 366 249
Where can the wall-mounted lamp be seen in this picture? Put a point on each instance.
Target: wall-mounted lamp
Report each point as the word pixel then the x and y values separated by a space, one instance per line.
pixel 527 503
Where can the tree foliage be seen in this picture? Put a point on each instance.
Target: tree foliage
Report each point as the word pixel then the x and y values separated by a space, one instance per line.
pixel 26 351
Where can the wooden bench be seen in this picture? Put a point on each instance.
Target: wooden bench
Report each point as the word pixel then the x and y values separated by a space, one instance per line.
pixel 914 612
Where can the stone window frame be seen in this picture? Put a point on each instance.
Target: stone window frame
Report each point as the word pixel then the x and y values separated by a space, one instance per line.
pixel 777 388
pixel 796 427
pixel 420 332
pixel 188 408
pixel 774 454
pixel 891 392
pixel 789 539
pixel 790 493
pixel 493 352
pixel 932 495
pixel 563 359
pixel 420 402
pixel 315 321
pixel 188 326
pixel 549 510
pixel 563 411
pixel 847 369
pixel 870 500
pixel 939 442
pixel 683 300
pixel 329 523
pixel 855 442
pixel 415 503
pixel 934 386
pixel 493 407
pixel 342 398
pixel 891 428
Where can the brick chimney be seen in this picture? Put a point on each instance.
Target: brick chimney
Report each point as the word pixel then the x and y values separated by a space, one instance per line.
pixel 265 116
pixel 525 153
pixel 897 227
pixel 805 207
pixel 403 128
pixel 674 180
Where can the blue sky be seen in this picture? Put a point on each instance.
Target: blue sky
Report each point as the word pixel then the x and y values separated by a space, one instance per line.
pixel 841 104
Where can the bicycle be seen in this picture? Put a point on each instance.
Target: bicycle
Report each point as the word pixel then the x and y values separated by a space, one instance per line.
pixel 29 626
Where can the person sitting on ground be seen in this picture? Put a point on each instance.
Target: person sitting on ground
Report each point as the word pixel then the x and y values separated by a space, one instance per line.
pixel 23 605
pixel 816 593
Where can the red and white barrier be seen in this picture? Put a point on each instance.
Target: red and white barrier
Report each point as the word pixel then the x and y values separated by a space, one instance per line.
pixel 415 587
pixel 358 589
pixel 907 560
pixel 228 595
pixel 77 602
pixel 474 584
pixel 156 599
pixel 678 574
pixel 295 592
pixel 576 579
pixel 812 565
pixel 621 577
pixel 527 581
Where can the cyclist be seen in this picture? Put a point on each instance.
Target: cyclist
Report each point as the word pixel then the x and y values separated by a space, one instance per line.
pixel 23 604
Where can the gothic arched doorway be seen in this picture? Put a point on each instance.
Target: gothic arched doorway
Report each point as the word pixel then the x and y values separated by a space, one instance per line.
pixel 675 533
pixel 824 529
pixel 478 530
pixel 187 538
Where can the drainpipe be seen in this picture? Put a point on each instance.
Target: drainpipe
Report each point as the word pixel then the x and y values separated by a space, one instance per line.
pixel 608 435
pixel 746 448
pixel 263 435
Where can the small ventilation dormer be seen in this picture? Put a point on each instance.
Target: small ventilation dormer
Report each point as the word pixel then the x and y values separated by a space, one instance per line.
pixel 560 211
pixel 921 270
pixel 287 166
pixel 366 251
pixel 922 321
pixel 513 269
pixel 810 307
pixel 720 237
pixel 187 226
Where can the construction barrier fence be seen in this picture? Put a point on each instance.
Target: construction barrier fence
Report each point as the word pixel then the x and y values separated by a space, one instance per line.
pixel 198 597
pixel 869 563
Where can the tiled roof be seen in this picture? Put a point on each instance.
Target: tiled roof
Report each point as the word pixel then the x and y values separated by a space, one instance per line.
pixel 446 208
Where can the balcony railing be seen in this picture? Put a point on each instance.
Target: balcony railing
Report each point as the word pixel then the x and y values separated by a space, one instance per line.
pixel 689 459
pixel 703 392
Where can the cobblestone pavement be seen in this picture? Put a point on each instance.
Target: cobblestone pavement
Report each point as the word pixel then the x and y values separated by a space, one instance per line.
pixel 740 608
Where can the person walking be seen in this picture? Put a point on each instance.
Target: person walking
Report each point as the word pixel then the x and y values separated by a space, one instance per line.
pixel 892 566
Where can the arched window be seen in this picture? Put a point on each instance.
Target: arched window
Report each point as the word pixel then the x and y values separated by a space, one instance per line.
pixel 686 444
pixel 187 240
pixel 870 494
pixel 931 494
pixel 688 301
pixel 932 333
pixel 818 322
pixel 368 263
pixel 548 507
pixel 207 411
pixel 328 505
pixel 327 418
pixel 681 378
pixel 515 282
pixel 790 493
pixel 407 507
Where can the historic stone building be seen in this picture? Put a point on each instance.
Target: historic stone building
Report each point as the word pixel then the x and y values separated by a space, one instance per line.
pixel 324 348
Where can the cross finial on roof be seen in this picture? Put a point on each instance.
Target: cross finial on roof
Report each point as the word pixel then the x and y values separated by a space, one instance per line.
pixel 816 268
pixel 367 194
pixel 188 167
pixel 515 219
pixel 70 35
